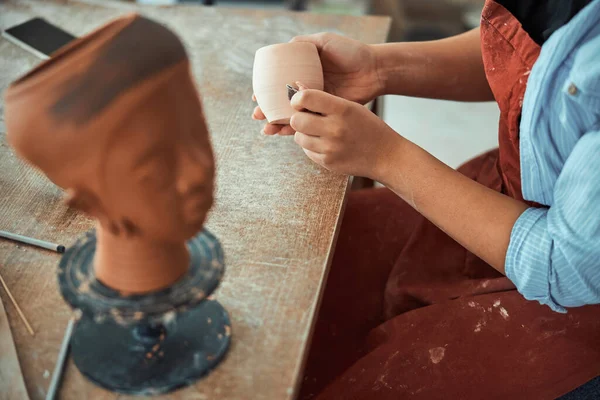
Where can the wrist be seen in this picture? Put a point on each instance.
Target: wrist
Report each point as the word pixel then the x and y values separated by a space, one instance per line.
pixel 381 68
pixel 389 157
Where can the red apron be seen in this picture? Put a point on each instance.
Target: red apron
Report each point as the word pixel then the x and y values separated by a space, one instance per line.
pixel 408 313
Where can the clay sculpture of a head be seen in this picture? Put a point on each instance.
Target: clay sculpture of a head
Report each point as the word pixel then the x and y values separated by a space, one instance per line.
pixel 114 119
pixel 282 64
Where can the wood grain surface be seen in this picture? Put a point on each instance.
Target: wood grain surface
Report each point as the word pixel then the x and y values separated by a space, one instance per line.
pixel 12 386
pixel 276 213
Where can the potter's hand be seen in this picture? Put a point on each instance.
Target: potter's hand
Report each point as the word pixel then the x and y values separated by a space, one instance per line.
pixel 349 66
pixel 349 71
pixel 345 137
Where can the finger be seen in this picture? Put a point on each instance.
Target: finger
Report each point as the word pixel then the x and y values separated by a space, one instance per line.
pixel 258 114
pixel 287 131
pixel 316 157
pixel 272 129
pixel 318 39
pixel 253 97
pixel 317 101
pixel 310 124
pixel 310 143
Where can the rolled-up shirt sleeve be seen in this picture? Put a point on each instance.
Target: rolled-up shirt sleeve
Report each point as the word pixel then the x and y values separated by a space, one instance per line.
pixel 554 253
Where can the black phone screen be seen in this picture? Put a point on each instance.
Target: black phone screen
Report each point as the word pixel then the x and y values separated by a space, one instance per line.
pixel 40 35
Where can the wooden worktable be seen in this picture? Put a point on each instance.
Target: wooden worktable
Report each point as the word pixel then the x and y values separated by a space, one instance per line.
pixel 276 213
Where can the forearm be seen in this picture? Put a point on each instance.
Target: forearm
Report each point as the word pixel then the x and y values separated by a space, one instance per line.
pixel 450 69
pixel 477 217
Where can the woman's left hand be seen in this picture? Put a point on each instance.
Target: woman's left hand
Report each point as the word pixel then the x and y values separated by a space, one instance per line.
pixel 341 135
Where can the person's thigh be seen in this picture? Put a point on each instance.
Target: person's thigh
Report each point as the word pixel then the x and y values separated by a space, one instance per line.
pixel 492 346
pixel 375 226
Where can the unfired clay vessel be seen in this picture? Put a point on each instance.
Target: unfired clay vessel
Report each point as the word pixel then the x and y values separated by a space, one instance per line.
pixel 114 118
pixel 281 64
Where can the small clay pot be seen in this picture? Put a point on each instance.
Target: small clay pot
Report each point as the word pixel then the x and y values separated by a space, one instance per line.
pixel 280 64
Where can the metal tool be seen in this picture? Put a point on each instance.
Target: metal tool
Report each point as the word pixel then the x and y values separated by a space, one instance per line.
pixel 291 91
pixel 60 362
pixel 59 248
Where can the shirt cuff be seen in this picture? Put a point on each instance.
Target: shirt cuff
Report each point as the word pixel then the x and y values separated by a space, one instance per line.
pixel 529 257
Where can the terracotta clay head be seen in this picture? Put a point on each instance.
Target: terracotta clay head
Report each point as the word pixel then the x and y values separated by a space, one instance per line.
pixel 114 118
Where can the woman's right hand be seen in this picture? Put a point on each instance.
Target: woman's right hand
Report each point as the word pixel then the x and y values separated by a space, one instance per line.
pixel 349 71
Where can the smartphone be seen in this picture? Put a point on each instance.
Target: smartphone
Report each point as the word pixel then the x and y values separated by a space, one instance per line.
pixel 38 36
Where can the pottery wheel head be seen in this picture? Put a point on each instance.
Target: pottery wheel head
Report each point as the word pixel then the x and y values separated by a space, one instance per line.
pixel 84 292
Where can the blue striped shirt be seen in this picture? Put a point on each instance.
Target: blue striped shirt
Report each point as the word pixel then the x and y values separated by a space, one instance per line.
pixel 554 253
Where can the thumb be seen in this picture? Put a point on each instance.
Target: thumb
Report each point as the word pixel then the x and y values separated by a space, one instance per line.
pixel 317 102
pixel 293 90
pixel 318 39
pixel 301 86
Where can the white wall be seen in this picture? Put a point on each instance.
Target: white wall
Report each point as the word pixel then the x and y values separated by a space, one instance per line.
pixel 453 132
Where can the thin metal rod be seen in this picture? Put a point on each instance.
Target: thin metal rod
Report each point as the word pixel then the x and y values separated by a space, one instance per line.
pixel 291 91
pixel 59 248
pixel 29 328
pixel 60 361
